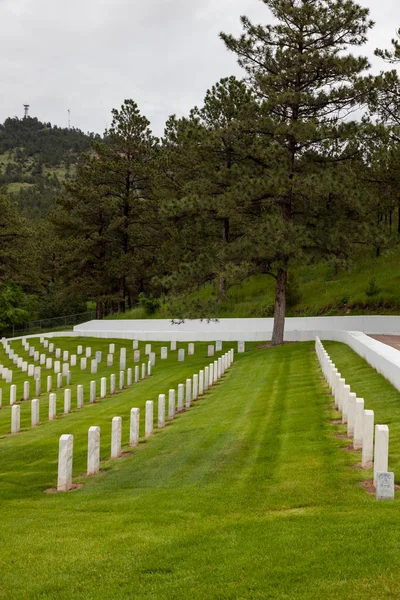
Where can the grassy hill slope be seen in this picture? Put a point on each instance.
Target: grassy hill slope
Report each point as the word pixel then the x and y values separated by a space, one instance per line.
pixel 371 286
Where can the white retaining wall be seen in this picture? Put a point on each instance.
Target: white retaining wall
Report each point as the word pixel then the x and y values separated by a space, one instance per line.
pixel 252 330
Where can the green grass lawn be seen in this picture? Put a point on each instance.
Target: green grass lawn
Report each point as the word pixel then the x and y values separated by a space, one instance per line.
pixel 247 495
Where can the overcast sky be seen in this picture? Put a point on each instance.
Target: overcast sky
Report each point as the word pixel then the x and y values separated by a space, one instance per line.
pixel 89 55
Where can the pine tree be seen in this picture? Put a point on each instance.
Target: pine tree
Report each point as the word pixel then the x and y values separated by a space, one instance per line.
pixel 306 83
pixel 110 205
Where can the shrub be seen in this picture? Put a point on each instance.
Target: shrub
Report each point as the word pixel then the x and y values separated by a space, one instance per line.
pixel 373 289
pixel 150 305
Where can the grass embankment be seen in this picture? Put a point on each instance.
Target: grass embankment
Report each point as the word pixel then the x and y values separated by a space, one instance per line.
pixel 247 495
pixel 318 291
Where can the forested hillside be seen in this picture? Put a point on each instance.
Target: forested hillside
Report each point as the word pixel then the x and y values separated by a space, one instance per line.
pixel 36 158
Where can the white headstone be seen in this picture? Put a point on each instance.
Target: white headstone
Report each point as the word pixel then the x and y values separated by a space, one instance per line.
pixel 134 427
pixel 241 347
pixel 116 437
pixel 345 402
pixel 88 352
pixel 49 383
pixel 79 396
pixel 147 349
pixel 79 350
pixel 201 382
pixel 15 418
pixel 218 346
pixel 135 344
pixel 164 353
pixel 59 380
pixel 152 357
pixel 351 414
pixel 83 363
pixel 93 461
pixel 384 486
pixel 110 360
pixel 195 391
pixel 172 345
pixel 112 384
pixel 121 380
pixel 211 375
pixel 51 348
pixel 65 369
pixel 42 359
pixel 67 401
pixel 36 356
pixel 129 377
pixel 215 372
pixel 35 412
pixel 181 396
pixel 359 424
pixel 93 366
pixel 13 394
pixel 98 356
pixel 219 368
pixel 122 359
pixel 49 363
pixel 111 348
pixel 66 445
pixel 73 360
pixel 149 368
pixel 190 349
pixel 65 355
pixel 368 439
pixel 188 392
pixel 57 366
pixel 26 390
pixel 58 353
pixel 206 378
pixel 143 370
pixel 161 411
pixel 25 366
pixel 181 355
pixel 52 407
pixel 381 450
pixel 210 350
pixel 38 386
pixel 149 419
pixel 171 404
pixel 92 397
pixel 103 387
pixel 46 344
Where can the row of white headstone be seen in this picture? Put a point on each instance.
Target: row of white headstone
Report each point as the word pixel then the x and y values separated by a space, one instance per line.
pixel 195 387
pixel 35 403
pixel 360 426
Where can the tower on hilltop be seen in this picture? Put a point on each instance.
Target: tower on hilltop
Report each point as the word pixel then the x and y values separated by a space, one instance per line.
pixel 26 110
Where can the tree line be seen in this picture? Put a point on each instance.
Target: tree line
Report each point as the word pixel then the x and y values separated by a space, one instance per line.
pixel 294 163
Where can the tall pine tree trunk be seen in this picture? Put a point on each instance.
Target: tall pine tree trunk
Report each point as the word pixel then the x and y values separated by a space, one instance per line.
pixel 280 308
pixel 99 310
pixel 122 293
